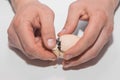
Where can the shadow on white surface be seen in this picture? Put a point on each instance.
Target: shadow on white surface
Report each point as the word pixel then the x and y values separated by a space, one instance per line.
pixel 35 62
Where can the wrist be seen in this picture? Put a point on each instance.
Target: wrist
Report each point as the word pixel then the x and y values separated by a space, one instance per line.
pixel 17 4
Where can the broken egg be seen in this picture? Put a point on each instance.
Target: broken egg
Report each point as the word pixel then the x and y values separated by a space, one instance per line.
pixel 65 42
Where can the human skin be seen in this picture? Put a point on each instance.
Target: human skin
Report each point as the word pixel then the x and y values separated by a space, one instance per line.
pixel 100 17
pixel 32 29
pixel 31 15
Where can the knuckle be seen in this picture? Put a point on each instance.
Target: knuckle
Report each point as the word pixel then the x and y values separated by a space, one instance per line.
pixel 16 20
pixel 73 5
pixel 101 14
pixel 9 31
pixel 50 12
pixel 90 41
pixel 11 38
pixel 16 23
pixel 10 34
pixel 110 29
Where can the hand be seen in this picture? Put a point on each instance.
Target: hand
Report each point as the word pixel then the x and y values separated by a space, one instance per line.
pixel 32 31
pixel 100 15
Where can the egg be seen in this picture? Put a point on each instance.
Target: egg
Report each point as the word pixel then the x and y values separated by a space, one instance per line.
pixel 66 42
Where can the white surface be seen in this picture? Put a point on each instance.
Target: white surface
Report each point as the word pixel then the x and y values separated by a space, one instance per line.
pixel 14 66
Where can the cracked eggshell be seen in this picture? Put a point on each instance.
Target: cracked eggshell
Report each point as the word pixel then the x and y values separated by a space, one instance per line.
pixel 67 41
pixel 56 51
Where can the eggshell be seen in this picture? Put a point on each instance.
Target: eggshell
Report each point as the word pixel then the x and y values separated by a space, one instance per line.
pixel 67 41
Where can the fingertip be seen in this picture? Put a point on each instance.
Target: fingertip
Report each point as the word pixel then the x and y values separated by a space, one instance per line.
pixel 62 32
pixel 49 40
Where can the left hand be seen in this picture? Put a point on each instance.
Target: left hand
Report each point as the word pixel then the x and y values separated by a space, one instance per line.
pixel 100 15
pixel 32 30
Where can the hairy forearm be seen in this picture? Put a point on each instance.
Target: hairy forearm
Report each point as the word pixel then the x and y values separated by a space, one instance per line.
pixel 16 4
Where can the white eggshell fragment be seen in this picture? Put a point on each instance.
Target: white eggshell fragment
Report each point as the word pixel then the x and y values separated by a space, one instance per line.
pixel 56 51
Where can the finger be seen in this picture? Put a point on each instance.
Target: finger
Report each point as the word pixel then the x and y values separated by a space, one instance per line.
pixel 13 39
pixel 27 40
pixel 43 51
pixel 89 37
pixel 47 30
pixel 94 50
pixel 74 14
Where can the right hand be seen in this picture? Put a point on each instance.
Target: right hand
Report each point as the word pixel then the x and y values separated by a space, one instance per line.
pixel 32 31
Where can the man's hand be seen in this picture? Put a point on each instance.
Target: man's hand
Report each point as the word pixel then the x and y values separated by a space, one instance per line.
pixel 32 29
pixel 100 15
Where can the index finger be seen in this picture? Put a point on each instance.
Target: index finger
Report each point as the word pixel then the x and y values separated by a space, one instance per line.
pixel 88 39
pixel 27 39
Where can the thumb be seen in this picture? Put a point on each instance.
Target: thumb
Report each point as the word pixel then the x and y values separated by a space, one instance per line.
pixel 48 31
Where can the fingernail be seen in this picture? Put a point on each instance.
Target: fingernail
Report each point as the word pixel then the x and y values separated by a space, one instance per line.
pixel 67 57
pixel 51 43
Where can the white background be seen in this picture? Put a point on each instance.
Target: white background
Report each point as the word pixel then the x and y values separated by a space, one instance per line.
pixel 15 66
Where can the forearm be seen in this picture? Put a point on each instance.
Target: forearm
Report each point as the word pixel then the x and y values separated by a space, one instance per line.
pixel 16 4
